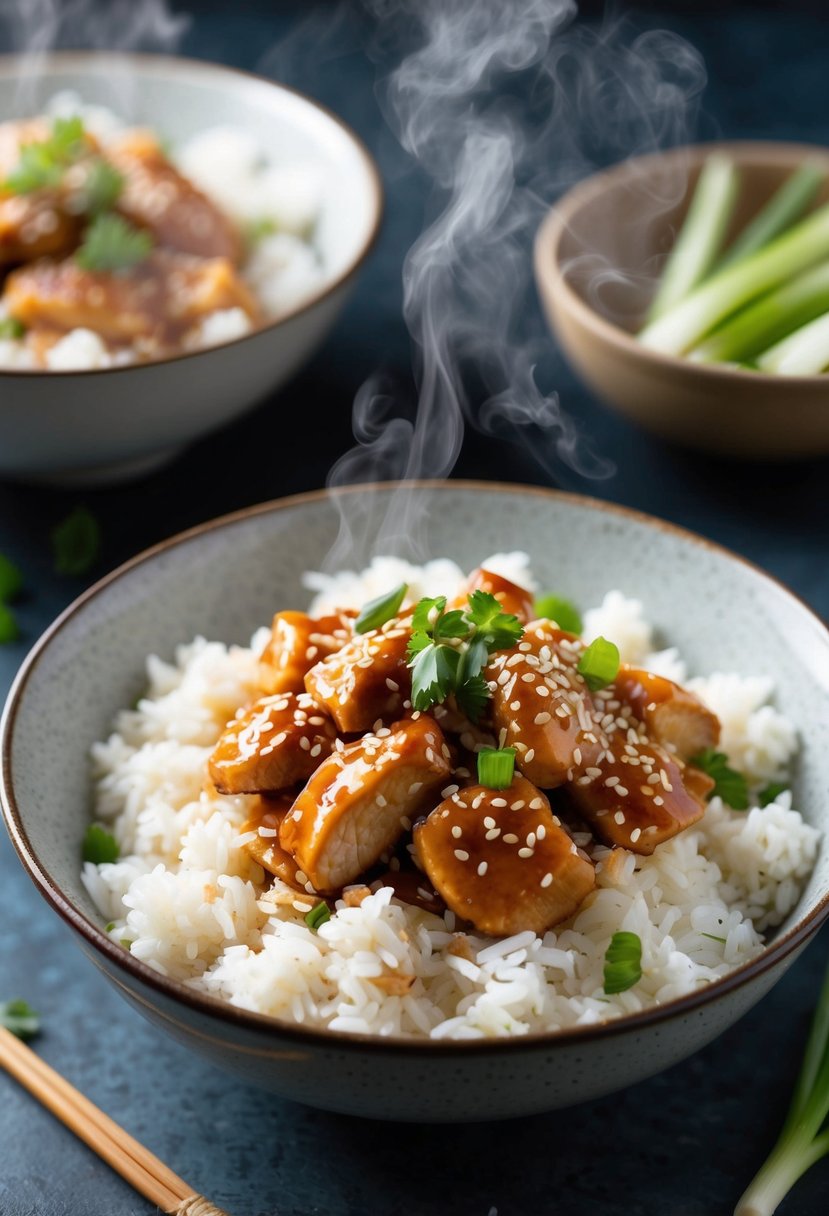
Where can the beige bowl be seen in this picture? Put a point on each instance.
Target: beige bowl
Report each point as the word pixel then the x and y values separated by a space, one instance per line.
pixel 597 257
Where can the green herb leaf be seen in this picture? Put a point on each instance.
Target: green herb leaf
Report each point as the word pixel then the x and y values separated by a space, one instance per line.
pixel 377 611
pixel 76 542
pixel 565 614
pixel 42 164
pixel 99 846
pixel 19 1017
pixel 111 244
pixel 729 785
pixel 427 613
pixel 599 664
pixel 622 963
pixel 318 915
pixel 771 792
pixel 471 696
pixel 11 579
pixel 101 188
pixel 434 675
pixel 11 329
pixel 496 767
pixel 256 230
pixel 9 631
pixel 501 629
pixel 451 625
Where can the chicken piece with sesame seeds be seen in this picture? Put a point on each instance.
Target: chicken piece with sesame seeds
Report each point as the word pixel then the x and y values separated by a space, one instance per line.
pixel 368 679
pixel 671 715
pixel 541 705
pixel 363 798
pixel 636 797
pixel 276 743
pixel 265 819
pixel 299 641
pixel 157 197
pixel 158 299
pixel 501 860
pixel 513 599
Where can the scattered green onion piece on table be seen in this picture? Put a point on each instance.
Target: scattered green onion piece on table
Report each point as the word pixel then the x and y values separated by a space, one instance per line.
pixel 111 244
pixel 9 631
pixel 755 328
pixel 565 614
pixel 784 207
pixel 683 326
pixel 76 542
pixel 11 329
pixel 599 664
pixel 700 239
pixel 771 793
pixel 622 962
pixel 11 579
pixel 729 785
pixel 496 767
pixel 99 845
pixel 376 612
pixel 803 1139
pixel 318 915
pixel 803 353
pixel 18 1017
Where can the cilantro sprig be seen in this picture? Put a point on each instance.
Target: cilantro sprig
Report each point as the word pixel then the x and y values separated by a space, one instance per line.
pixel 43 163
pixel 110 243
pixel 729 785
pixel 448 650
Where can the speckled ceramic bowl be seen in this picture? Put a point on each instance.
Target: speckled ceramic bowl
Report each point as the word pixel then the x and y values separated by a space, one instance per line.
pixel 721 612
pixel 95 427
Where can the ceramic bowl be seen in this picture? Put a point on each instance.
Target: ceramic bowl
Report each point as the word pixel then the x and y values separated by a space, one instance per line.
pixel 598 255
pixel 91 662
pixel 96 426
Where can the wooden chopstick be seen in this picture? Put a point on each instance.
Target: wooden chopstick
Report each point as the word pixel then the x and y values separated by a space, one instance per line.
pixel 141 1168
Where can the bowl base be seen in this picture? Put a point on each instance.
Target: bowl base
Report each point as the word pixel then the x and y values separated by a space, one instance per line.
pixel 110 474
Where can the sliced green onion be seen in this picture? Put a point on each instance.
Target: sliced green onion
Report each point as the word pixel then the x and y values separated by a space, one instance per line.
pixel 76 541
pixel 701 235
pixel 622 963
pixel 11 580
pixel 599 663
pixel 11 328
pixel 803 353
pixel 19 1017
pixel 318 915
pixel 727 290
pixel 755 328
pixel 9 631
pixel 496 767
pixel 565 614
pixel 714 937
pixel 771 793
pixel 99 845
pixel 785 206
pixel 376 612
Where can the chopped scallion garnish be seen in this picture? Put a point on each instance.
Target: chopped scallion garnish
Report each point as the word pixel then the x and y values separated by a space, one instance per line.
pixel 496 767
pixel 42 164
pixel 565 614
pixel 11 329
pixel 99 845
pixel 19 1017
pixel 76 541
pixel 599 664
pixel 376 612
pixel 729 785
pixel 318 915
pixel 622 963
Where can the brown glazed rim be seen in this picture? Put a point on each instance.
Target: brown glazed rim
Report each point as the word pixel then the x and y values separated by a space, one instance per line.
pixel 210 1006
pixel 139 60
pixel 548 266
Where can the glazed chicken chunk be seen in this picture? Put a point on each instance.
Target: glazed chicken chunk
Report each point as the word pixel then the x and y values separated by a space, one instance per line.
pixel 157 197
pixel 367 679
pixel 363 798
pixel 265 820
pixel 297 643
pixel 501 860
pixel 271 746
pixel 671 715
pixel 158 299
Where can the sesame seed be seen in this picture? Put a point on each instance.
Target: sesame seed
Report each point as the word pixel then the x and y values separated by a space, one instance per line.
pixel 528 677
pixel 635 834
pixel 510 838
pixel 392 685
pixel 501 802
pixel 525 852
pixel 305 743
pixel 482 869
pixel 457 832
pixel 546 880
pixel 621 791
pixel 541 718
pixel 489 822
pixel 528 755
pixel 659 800
pixel 619 817
pixel 611 781
pixel 592 771
pixel 531 839
pixel 493 834
pixel 536 804
pixel 517 805
pixel 515 706
pixel 381 800
pixel 461 854
pixel 315 750
pixel 450 789
pixel 541 831
pixel 542 690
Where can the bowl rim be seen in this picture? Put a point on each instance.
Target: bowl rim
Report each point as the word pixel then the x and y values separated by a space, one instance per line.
pixel 139 60
pixel 201 1003
pixel 551 277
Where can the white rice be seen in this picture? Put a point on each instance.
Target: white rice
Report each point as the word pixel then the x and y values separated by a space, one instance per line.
pixel 186 898
pixel 230 166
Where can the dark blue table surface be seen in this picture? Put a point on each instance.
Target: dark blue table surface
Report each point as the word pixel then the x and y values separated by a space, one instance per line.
pixel 682 1144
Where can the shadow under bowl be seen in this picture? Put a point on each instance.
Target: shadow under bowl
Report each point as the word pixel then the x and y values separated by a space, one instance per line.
pixel 598 256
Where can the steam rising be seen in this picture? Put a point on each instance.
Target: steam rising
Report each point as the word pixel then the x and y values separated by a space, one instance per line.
pixel 504 104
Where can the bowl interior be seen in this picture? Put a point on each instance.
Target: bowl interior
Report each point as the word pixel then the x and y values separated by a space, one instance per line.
pixel 619 226
pixel 180 98
pixel 226 579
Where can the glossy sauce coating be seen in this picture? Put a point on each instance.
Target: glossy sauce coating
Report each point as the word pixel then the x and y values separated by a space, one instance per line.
pixel 501 860
pixel 363 798
pixel 297 643
pixel 265 820
pixel 272 745
pixel 671 715
pixel 368 679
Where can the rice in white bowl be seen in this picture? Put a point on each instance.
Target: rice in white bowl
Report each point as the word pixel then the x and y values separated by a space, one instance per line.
pixel 186 898
pixel 280 199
